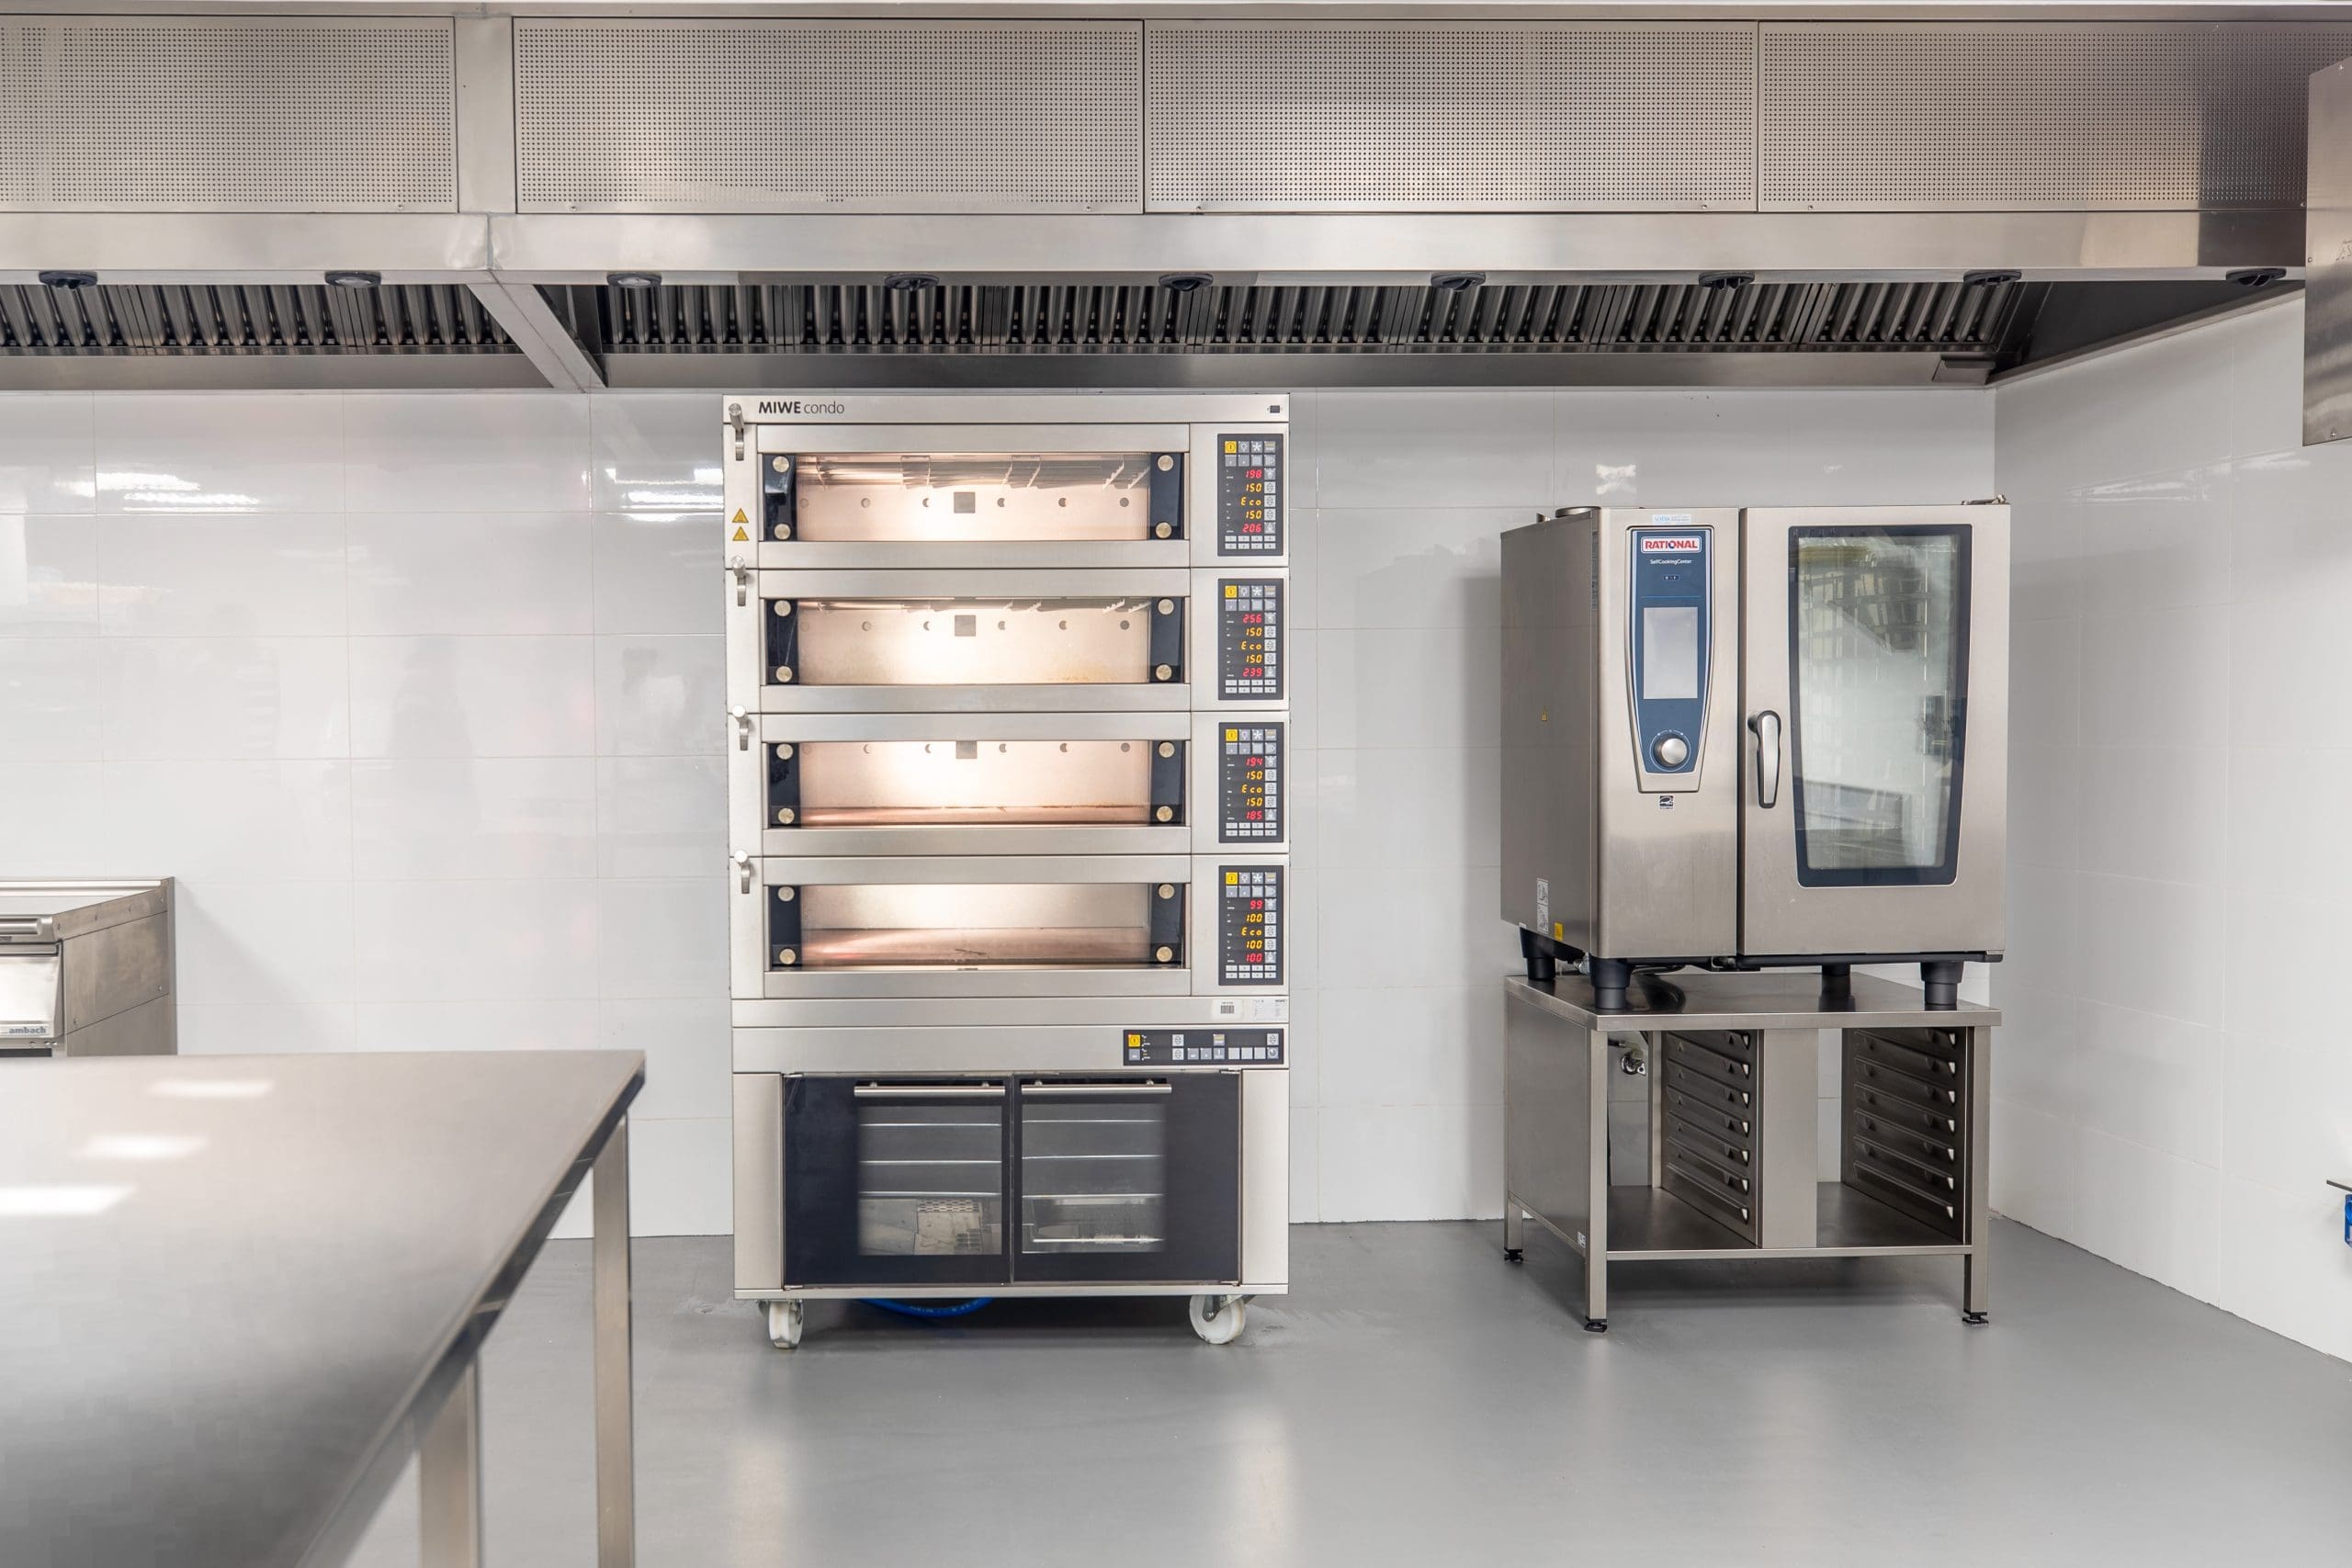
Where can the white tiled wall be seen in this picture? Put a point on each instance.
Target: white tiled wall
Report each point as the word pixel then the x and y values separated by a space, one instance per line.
pixel 2174 1086
pixel 1397 1086
pixel 420 696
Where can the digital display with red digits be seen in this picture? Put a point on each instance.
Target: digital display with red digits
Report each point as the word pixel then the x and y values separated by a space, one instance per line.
pixel 1249 495
pixel 1249 783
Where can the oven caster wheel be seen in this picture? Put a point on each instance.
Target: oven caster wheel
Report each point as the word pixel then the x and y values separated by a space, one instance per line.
pixel 1974 1317
pixel 1596 1326
pixel 1513 1255
pixel 783 1324
pixel 1218 1319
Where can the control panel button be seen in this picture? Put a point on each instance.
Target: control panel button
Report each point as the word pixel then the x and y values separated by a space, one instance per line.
pixel 1670 750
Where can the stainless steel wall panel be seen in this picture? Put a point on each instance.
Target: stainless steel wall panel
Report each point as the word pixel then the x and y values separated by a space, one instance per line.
pixel 2327 302
pixel 792 116
pixel 2062 116
pixel 1439 116
pixel 208 114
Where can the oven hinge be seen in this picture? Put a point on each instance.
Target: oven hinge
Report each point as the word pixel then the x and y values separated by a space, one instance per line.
pixel 735 418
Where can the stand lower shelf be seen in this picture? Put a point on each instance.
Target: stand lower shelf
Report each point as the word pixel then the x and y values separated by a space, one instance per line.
pixel 1649 1222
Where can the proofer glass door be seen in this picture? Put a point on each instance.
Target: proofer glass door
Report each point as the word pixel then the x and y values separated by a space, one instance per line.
pixel 894 1182
pixel 1128 1178
pixel 1867 641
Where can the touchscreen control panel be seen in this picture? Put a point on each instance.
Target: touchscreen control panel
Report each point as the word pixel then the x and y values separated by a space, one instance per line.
pixel 1670 628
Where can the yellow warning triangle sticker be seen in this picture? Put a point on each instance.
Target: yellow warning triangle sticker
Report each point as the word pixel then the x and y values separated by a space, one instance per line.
pixel 738 516
pixel 741 537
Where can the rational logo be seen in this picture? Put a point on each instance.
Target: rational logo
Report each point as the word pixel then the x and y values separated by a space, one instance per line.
pixel 1671 543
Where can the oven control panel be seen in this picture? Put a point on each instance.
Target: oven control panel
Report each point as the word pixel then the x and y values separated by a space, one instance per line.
pixel 1249 925
pixel 1249 495
pixel 1671 626
pixel 1249 783
pixel 1249 637
pixel 1188 1047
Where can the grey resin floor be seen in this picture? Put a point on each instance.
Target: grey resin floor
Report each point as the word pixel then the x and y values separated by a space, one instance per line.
pixel 1419 1401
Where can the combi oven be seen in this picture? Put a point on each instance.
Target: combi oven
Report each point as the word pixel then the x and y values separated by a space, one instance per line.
pixel 1011 926
pixel 1747 739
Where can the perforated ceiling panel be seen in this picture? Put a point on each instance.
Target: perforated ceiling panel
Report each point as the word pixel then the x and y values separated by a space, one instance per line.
pixel 1948 116
pixel 828 117
pixel 1460 117
pixel 198 114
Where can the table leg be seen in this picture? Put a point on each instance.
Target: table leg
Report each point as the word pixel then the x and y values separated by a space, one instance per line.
pixel 449 1479
pixel 616 1440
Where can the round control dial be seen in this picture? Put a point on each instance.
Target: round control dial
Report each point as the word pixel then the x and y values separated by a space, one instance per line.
pixel 1670 751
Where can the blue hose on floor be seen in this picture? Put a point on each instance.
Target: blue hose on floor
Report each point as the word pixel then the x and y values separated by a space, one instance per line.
pixel 913 1309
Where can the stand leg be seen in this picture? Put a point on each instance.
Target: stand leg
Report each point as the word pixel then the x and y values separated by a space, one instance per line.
pixel 1596 1223
pixel 1976 1286
pixel 448 1480
pixel 1514 1230
pixel 616 1438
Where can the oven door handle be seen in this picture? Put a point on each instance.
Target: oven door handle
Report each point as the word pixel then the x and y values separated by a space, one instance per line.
pixel 1766 725
pixel 1031 1087
pixel 928 1091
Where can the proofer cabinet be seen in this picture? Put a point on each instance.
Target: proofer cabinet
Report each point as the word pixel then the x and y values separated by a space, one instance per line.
pixel 1008 765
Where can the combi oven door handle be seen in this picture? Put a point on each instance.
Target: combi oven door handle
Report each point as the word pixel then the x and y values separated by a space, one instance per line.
pixel 1766 725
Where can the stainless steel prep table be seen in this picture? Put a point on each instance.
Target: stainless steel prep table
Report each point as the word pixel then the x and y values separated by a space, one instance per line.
pixel 1732 1140
pixel 236 1293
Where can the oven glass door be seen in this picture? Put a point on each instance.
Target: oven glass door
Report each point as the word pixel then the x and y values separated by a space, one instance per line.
pixel 891 1182
pixel 930 497
pixel 1874 731
pixel 1133 1179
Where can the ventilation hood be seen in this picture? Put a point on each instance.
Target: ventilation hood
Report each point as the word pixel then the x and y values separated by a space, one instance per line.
pixel 1015 201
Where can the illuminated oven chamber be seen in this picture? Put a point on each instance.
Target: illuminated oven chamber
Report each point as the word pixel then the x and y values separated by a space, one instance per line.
pixel 986 783
pixel 978 925
pixel 977 641
pixel 918 498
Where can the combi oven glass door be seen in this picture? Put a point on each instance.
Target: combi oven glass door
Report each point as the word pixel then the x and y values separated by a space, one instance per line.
pixel 1878 674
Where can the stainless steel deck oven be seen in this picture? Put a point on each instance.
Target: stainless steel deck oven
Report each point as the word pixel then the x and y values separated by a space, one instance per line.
pixel 1009 721
pixel 1759 738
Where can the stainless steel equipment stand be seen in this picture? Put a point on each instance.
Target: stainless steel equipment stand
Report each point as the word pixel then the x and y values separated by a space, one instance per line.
pixel 1732 1133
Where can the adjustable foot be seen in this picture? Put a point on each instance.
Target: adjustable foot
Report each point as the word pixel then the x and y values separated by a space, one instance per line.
pixel 1974 1317
pixel 1940 976
pixel 1513 1255
pixel 1609 978
pixel 1543 962
pixel 1596 1326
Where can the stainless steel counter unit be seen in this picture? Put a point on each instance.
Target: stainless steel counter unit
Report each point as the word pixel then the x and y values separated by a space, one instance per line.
pixel 241 1291
pixel 85 969
pixel 1725 1156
